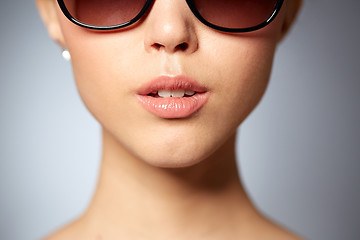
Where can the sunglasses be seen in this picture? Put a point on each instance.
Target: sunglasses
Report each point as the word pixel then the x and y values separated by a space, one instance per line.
pixel 233 16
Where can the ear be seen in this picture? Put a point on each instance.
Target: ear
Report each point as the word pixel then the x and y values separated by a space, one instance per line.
pixel 48 13
pixel 292 8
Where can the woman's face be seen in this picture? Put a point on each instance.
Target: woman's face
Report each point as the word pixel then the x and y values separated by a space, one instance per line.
pixel 111 68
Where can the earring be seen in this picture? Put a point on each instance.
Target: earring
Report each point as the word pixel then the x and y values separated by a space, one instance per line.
pixel 66 54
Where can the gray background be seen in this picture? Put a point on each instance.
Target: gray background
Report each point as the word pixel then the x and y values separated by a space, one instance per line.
pixel 300 149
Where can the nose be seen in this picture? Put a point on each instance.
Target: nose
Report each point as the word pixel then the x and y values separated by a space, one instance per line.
pixel 170 28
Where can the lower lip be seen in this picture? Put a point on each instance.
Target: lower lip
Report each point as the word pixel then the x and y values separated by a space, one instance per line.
pixel 174 107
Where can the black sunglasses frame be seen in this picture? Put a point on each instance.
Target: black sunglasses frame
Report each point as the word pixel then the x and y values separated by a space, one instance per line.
pixel 192 7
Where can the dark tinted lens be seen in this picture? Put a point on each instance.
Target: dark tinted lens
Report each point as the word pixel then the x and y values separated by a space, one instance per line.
pixel 104 12
pixel 235 13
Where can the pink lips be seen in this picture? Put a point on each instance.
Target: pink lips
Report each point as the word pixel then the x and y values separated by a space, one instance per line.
pixel 172 107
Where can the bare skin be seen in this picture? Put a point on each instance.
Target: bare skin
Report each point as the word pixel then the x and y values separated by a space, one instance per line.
pixel 205 201
pixel 169 179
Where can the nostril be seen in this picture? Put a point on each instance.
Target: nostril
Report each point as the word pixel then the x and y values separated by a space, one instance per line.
pixel 157 46
pixel 182 46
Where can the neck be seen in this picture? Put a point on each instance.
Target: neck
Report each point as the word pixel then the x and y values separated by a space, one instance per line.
pixel 133 197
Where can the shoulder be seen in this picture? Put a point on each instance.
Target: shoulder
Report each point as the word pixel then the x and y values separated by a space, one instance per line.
pixel 277 232
pixel 72 231
pixel 265 228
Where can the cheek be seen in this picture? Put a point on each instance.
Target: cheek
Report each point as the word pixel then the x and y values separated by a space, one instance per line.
pixel 249 79
pixel 240 70
pixel 103 69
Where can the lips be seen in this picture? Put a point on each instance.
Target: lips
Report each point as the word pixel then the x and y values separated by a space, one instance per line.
pixel 172 97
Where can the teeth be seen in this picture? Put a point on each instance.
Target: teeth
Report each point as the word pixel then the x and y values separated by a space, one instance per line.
pixel 189 92
pixel 178 93
pixel 171 93
pixel 164 93
pixel 174 93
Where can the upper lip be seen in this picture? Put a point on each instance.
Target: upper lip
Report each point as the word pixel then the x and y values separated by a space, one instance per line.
pixel 171 83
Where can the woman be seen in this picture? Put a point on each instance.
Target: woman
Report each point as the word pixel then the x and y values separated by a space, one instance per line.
pixel 170 82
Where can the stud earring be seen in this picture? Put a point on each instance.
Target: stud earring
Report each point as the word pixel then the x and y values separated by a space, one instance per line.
pixel 66 54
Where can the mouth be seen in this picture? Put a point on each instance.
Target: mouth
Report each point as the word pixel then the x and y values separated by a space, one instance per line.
pixel 173 97
pixel 172 93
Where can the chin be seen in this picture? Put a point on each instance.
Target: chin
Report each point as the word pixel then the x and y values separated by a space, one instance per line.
pixel 177 153
pixel 161 162
pixel 173 159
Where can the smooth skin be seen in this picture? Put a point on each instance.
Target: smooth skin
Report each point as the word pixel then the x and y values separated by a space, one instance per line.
pixel 159 178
